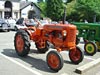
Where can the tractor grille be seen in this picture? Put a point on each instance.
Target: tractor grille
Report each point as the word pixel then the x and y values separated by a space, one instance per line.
pixel 72 35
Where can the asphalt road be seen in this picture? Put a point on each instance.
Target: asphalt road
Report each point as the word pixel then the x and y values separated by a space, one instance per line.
pixel 35 63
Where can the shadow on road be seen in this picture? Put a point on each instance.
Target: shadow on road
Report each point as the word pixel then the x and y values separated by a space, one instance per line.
pixel 35 62
pixel 68 62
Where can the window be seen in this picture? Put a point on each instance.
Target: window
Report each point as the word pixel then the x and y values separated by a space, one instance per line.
pixel 0 14
pixel 16 14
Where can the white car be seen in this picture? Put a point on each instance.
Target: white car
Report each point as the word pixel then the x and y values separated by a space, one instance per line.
pixel 12 23
pixel 4 26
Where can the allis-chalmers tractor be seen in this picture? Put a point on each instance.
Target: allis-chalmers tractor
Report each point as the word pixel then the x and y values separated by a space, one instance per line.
pixel 62 36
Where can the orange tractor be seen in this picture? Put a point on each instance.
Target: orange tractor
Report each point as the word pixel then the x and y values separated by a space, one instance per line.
pixel 62 36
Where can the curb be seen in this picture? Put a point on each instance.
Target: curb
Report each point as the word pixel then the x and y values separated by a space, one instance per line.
pixel 87 66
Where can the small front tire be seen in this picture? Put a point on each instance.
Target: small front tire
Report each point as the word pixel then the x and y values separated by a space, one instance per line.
pixel 76 56
pixel 54 60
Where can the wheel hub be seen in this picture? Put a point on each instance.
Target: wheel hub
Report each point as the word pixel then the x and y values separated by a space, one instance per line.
pixel 19 43
pixel 53 61
pixel 90 48
pixel 75 55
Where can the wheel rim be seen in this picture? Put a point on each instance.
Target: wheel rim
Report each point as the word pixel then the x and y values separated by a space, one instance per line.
pixel 89 48
pixel 19 43
pixel 53 61
pixel 75 54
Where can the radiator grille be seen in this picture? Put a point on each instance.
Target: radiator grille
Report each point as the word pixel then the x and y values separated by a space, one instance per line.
pixel 72 35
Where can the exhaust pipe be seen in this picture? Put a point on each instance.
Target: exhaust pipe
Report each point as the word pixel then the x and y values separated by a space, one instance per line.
pixel 64 15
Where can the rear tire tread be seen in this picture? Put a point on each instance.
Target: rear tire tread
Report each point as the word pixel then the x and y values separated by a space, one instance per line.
pixel 25 37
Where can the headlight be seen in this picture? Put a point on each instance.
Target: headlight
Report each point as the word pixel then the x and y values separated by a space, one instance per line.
pixel 64 33
pixel 77 32
pixel 0 24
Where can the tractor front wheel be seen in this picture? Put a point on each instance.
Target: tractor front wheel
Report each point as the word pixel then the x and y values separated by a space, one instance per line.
pixel 90 48
pixel 21 43
pixel 54 60
pixel 76 56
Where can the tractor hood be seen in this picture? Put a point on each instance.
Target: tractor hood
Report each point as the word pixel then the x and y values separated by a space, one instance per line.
pixel 50 27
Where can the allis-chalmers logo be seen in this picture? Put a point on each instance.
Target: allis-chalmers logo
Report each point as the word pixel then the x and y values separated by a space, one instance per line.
pixel 55 27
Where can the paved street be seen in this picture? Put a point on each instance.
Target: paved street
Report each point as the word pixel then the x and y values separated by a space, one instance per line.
pixel 35 63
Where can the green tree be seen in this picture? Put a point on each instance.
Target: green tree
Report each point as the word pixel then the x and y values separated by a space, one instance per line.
pixel 71 12
pixel 42 6
pixel 79 10
pixel 90 8
pixel 55 9
pixel 68 1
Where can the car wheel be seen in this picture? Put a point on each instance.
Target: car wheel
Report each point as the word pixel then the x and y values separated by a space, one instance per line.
pixel 5 27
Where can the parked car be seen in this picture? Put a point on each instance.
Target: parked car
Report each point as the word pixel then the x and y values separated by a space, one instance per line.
pixel 4 26
pixel 12 23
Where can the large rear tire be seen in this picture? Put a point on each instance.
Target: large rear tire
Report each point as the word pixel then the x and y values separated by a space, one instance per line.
pixel 54 60
pixel 76 56
pixel 21 43
pixel 90 48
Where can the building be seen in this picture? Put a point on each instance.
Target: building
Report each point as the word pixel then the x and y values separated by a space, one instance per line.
pixel 17 9
pixel 9 8
pixel 28 7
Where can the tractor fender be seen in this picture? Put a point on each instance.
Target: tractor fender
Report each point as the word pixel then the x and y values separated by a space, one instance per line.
pixel 30 33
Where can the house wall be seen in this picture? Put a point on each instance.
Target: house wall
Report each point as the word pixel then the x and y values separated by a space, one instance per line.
pixel 24 12
pixel 15 9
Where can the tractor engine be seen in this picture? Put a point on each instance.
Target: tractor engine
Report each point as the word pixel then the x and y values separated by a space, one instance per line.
pixel 61 35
